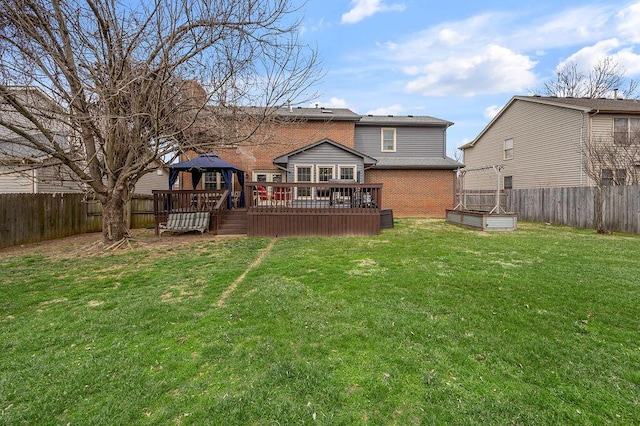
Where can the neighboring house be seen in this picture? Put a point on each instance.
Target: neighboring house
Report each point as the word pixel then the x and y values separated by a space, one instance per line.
pixel 406 154
pixel 157 179
pixel 24 169
pixel 548 142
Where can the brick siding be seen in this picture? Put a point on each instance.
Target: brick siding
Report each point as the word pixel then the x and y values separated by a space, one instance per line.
pixel 415 193
pixel 410 193
pixel 278 139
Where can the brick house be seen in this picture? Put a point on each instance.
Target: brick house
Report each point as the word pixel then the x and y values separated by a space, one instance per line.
pixel 406 154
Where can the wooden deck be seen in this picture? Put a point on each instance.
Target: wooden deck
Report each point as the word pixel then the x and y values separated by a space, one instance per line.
pixel 298 209
pixel 285 209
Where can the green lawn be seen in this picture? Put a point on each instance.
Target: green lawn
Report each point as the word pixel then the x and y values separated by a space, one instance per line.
pixel 427 323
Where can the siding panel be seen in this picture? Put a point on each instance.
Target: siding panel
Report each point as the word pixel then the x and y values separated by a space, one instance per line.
pixel 410 141
pixel 546 148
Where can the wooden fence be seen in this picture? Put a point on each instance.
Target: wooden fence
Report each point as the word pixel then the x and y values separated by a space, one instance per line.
pixel 575 206
pixel 30 218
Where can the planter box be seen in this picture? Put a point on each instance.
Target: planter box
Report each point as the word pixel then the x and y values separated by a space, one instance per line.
pixel 484 220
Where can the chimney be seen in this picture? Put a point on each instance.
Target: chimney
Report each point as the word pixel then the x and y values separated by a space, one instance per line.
pixel 615 93
pixel 289 105
pixel 194 93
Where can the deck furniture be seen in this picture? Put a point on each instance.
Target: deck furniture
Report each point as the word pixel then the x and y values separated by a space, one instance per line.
pixel 186 222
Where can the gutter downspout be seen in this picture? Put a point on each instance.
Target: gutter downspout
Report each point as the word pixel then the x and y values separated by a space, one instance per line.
pixel 34 180
pixel 582 153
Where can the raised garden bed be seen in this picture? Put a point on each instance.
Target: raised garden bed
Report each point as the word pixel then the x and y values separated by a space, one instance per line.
pixel 484 220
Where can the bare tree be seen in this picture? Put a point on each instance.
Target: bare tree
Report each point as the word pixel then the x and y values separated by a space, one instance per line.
pixel 603 80
pixel 125 84
pixel 609 161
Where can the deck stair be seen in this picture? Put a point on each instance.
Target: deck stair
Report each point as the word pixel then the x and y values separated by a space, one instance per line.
pixel 234 223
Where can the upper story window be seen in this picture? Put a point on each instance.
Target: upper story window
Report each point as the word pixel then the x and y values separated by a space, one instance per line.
pixel 626 131
pixel 508 150
pixel 388 140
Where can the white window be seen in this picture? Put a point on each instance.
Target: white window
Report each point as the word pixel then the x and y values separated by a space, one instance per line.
pixel 388 140
pixel 268 176
pixel 347 172
pixel 626 131
pixel 323 174
pixel 213 180
pixel 303 174
pixel 508 150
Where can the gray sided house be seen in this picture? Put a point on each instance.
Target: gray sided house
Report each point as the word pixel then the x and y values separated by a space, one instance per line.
pixel 412 164
pixel 330 160
pixel 406 154
pixel 548 142
pixel 397 140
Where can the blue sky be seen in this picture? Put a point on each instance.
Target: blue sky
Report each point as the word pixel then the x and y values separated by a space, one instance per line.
pixel 461 60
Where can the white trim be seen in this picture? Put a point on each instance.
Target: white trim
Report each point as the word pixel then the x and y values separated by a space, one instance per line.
pixel 317 178
pixel 270 174
pixel 505 149
pixel 354 167
pixel 295 179
pixel 382 129
pixel 324 166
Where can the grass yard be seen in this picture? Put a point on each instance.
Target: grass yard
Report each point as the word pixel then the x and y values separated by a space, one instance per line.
pixel 427 323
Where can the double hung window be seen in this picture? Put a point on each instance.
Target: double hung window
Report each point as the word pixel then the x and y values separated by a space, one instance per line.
pixel 388 140
pixel 626 131
pixel 508 150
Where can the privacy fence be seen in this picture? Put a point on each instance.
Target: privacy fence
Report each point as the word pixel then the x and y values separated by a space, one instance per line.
pixel 576 206
pixel 566 206
pixel 31 218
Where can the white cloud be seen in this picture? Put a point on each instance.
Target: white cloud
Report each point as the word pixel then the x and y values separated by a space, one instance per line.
pixel 362 9
pixel 332 103
pixel 491 111
pixel 493 69
pixel 389 110
pixel 629 23
pixel 450 37
pixel 589 56
pixel 499 52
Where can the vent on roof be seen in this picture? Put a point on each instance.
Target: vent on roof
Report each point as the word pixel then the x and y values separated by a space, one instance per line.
pixel 327 111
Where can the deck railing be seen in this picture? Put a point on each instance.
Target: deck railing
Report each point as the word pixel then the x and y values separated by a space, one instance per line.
pixel 174 201
pixel 348 197
pixel 322 209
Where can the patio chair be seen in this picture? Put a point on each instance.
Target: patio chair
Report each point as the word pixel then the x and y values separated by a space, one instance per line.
pixel 261 196
pixel 282 196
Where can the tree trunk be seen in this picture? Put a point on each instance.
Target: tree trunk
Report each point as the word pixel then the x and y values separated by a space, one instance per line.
pixel 114 227
pixel 599 211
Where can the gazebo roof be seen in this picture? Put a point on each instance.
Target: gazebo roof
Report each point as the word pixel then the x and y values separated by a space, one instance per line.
pixel 208 162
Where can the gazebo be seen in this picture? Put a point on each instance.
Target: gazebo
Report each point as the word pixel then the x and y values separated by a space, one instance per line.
pixel 204 163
